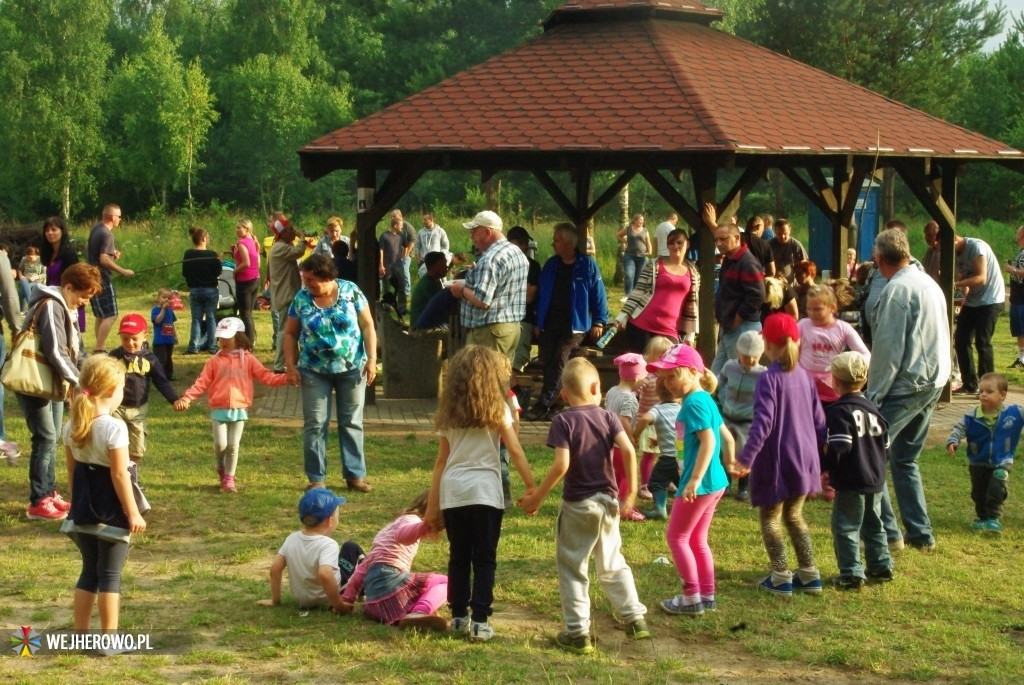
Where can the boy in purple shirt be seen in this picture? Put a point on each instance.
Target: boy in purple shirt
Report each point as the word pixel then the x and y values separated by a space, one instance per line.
pixel 588 520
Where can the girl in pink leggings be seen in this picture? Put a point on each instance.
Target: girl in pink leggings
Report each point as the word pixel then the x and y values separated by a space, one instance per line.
pixel 394 594
pixel 700 430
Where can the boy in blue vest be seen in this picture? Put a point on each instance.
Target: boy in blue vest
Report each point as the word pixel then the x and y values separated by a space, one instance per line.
pixel 992 432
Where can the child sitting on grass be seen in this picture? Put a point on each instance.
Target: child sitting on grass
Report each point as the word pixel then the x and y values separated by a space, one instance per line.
pixel 317 569
pixel 855 455
pixel 588 519
pixel 992 432
pixel 395 595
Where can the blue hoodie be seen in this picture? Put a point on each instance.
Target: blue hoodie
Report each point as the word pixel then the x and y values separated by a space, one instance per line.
pixel 588 299
pixel 990 445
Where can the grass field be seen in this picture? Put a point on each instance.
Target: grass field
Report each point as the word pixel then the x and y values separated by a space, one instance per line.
pixel 955 615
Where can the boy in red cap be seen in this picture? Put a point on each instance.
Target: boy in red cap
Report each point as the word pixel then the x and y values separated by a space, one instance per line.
pixel 141 370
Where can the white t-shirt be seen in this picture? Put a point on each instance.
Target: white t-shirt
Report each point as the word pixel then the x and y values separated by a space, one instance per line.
pixel 473 472
pixel 305 555
pixel 108 433
pixel 661 235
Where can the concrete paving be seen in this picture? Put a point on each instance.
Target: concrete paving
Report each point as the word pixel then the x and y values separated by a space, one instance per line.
pixel 417 416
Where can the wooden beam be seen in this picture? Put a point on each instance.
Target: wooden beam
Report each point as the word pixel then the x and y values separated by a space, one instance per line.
pixel 705 186
pixel 555 192
pixel 610 194
pixel 807 190
pixel 579 218
pixel 671 195
pixel 750 177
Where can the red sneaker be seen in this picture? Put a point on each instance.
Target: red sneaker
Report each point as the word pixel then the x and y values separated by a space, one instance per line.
pixel 45 511
pixel 59 503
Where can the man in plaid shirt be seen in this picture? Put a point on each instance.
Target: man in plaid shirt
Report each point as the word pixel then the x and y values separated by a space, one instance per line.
pixel 494 293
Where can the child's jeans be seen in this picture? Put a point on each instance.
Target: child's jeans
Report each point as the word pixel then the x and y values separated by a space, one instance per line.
pixel 988 490
pixel 473 534
pixel 585 528
pixel 858 516
pixel 226 438
pixel 687 538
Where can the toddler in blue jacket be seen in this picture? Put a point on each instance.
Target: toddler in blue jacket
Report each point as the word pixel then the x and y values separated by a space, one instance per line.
pixel 992 432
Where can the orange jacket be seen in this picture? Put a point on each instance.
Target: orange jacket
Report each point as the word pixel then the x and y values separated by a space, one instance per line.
pixel 227 378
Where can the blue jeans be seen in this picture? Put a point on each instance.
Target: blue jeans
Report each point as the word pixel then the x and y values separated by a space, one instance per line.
pixel 857 516
pixel 44 423
pixel 349 388
pixel 203 303
pixel 632 265
pixel 727 343
pixel 408 277
pixel 908 418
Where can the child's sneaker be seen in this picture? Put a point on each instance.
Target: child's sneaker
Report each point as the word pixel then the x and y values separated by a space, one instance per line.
pixel 781 589
pixel 10 452
pixel 637 630
pixel 579 645
pixel 481 631
pixel 635 515
pixel 460 626
pixel 979 525
pixel 655 514
pixel 59 503
pixel 45 511
pixel 743 495
pixel 882 576
pixel 227 484
pixel 810 587
pixel 674 607
pixel 710 604
pixel 846 582
pixel 993 526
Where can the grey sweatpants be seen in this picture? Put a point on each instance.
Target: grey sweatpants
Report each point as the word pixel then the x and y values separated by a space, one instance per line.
pixel 585 528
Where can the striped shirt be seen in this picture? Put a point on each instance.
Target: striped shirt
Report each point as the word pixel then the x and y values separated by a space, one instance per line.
pixel 499 280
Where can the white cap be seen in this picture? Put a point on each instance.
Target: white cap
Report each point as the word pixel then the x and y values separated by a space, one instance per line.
pixel 229 326
pixel 486 219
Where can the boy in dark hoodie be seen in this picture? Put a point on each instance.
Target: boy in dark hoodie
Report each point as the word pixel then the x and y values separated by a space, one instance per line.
pixel 142 369
pixel 855 457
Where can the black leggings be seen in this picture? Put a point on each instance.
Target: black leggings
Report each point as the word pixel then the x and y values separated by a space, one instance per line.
pixel 245 300
pixel 102 561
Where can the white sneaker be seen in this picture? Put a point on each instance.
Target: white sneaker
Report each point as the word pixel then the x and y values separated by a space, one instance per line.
pixel 460 626
pixel 481 632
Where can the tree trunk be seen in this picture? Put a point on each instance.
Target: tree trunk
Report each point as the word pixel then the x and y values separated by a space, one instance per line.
pixel 65 195
pixel 619 277
pixel 777 189
pixel 491 192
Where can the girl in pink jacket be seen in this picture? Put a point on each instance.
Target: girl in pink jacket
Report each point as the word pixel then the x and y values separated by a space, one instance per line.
pixel 227 380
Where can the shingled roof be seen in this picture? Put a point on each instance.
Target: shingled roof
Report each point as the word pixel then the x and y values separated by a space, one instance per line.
pixel 643 76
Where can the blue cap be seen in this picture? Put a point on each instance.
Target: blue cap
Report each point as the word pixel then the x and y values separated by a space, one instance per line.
pixel 318 503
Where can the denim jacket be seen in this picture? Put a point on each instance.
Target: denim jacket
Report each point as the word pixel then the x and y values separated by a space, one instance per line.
pixel 990 446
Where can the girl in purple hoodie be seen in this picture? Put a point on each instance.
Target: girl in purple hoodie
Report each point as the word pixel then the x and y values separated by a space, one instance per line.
pixel 781 455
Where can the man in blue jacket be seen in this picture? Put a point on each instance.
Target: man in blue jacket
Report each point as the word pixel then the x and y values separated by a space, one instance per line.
pixel 571 303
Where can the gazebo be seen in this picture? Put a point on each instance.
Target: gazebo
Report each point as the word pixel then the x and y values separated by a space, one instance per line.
pixel 648 87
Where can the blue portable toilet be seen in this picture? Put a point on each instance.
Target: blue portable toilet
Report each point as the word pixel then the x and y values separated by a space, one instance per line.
pixel 865 218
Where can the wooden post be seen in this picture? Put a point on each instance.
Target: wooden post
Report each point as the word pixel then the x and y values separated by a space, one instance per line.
pixel 366 189
pixel 704 186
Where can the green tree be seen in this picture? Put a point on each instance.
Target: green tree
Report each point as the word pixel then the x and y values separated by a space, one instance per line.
pixel 190 125
pixel 54 76
pixel 270 109
pixel 908 50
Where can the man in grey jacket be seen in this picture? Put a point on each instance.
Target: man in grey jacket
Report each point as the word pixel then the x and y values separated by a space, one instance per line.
pixel 910 363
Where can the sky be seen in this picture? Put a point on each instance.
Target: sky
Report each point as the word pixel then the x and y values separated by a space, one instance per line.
pixel 1014 8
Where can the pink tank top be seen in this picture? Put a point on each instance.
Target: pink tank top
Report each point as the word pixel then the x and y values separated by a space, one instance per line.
pixel 661 315
pixel 253 271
